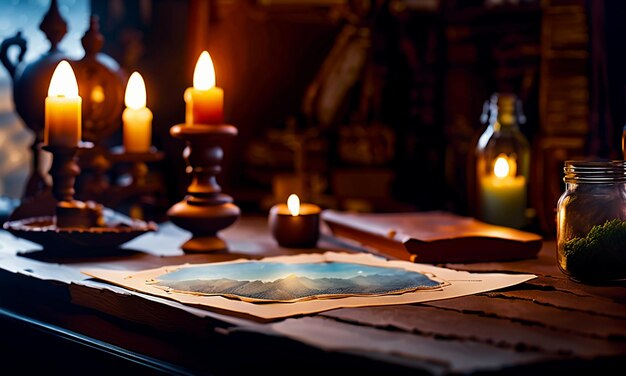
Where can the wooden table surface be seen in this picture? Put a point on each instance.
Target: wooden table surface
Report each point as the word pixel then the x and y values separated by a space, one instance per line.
pixel 54 317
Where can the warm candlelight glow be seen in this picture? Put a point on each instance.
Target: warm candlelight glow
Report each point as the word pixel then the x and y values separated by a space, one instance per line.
pixel 503 194
pixel 504 166
pixel 63 82
pixel 97 94
pixel 204 73
pixel 204 101
pixel 62 109
pixel 135 96
pixel 293 203
pixel 296 224
pixel 137 117
pixel 501 167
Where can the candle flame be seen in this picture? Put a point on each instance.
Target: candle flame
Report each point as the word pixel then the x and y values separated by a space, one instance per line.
pixel 63 82
pixel 293 203
pixel 204 74
pixel 97 94
pixel 135 96
pixel 501 168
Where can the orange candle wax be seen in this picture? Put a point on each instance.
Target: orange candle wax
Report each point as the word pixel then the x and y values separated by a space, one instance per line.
pixel 204 101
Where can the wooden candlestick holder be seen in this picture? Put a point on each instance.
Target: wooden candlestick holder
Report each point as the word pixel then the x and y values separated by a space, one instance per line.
pixel 205 210
pixel 64 170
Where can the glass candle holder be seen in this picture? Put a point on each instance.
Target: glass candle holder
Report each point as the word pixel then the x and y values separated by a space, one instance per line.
pixel 502 164
pixel 591 221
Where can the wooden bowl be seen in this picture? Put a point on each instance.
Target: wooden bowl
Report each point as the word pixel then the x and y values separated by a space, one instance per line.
pixel 118 230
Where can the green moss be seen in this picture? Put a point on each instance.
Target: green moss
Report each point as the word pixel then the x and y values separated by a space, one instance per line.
pixel 600 255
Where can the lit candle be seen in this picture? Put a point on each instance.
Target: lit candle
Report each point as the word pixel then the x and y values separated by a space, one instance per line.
pixel 137 117
pixel 295 225
pixel 62 108
pixel 503 195
pixel 205 101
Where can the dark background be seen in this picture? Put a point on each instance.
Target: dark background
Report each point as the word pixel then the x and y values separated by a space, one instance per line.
pixel 405 91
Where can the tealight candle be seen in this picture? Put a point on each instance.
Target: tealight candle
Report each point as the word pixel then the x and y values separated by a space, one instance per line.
pixel 62 106
pixel 204 101
pixel 137 117
pixel 295 225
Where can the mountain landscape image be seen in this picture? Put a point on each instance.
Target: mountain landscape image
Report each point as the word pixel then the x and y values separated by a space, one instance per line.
pixel 304 281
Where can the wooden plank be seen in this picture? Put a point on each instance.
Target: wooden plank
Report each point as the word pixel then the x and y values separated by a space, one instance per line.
pixel 39 347
pixel 549 277
pixel 158 313
pixel 536 314
pixel 567 300
pixel 455 355
pixel 615 292
pixel 455 325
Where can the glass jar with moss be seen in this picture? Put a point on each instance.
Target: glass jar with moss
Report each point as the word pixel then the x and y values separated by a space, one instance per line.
pixel 591 216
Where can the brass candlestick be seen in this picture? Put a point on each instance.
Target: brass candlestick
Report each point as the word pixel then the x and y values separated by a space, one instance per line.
pixel 205 210
pixel 64 170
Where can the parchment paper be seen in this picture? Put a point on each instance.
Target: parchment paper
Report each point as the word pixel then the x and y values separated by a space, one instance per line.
pixel 458 284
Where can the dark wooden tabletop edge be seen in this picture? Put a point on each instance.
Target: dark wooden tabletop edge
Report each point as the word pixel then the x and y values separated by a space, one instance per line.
pixel 144 361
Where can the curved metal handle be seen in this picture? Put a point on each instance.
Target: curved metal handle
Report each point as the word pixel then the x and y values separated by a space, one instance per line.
pixel 17 40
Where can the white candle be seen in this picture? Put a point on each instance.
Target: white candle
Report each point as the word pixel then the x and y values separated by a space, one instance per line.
pixel 62 108
pixel 503 195
pixel 137 117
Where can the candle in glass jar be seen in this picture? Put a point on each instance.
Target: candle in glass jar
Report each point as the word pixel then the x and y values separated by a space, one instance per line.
pixel 204 101
pixel 62 108
pixel 295 225
pixel 137 117
pixel 503 195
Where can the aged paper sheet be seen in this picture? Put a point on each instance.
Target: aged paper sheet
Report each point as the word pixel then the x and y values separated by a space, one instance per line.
pixel 456 284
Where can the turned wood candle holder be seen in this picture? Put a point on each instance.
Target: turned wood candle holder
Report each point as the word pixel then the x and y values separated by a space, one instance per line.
pixel 64 170
pixel 205 210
